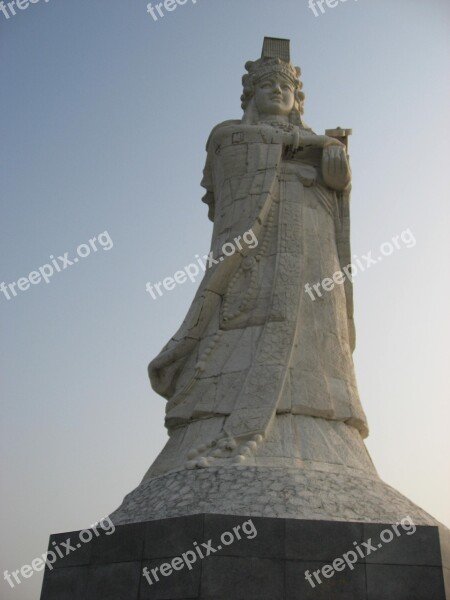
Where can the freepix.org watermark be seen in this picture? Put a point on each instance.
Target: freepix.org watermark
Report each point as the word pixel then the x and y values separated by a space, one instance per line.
pixel 9 8
pixel 314 4
pixel 192 270
pixel 59 551
pixel 349 559
pixel 327 284
pixel 200 551
pixel 58 264
pixel 157 9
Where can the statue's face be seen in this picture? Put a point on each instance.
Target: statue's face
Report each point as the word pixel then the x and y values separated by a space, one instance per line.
pixel 274 96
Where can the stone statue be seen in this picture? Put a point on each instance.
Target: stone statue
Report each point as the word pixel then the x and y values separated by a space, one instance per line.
pixel 253 346
pixel 263 411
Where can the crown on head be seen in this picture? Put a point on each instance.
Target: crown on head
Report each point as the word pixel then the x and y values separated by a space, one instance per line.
pixel 275 58
pixel 264 67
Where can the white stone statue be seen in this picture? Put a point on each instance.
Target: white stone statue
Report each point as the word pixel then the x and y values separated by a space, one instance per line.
pixel 254 345
pixel 263 411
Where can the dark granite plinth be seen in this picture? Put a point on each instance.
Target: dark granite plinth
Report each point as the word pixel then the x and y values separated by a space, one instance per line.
pixel 270 566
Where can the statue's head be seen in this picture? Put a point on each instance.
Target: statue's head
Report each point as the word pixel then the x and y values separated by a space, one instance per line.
pixel 272 85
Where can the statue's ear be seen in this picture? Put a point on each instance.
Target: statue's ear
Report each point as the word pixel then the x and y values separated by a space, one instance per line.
pixel 251 114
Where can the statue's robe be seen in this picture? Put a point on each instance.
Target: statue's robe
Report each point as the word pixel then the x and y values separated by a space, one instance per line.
pixel 279 351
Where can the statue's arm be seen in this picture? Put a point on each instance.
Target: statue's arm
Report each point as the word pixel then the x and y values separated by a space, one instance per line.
pixel 208 172
pixel 335 167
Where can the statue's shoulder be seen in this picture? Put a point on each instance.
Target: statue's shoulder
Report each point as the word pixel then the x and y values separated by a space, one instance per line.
pixel 222 126
pixel 234 132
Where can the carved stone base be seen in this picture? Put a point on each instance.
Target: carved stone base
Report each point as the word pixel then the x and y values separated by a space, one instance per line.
pixel 271 565
pixel 270 492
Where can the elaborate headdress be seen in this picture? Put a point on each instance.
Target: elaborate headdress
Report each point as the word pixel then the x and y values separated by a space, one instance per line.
pixel 275 58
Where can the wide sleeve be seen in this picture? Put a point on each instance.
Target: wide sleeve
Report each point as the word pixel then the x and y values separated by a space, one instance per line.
pixel 208 183
pixel 208 172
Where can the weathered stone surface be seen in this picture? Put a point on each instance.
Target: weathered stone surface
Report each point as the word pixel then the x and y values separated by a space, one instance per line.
pixel 269 492
pixel 254 345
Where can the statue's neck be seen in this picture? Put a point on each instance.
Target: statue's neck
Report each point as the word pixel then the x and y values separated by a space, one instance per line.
pixel 274 118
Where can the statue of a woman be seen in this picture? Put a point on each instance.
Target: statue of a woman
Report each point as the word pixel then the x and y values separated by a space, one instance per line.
pixel 259 372
pixel 263 412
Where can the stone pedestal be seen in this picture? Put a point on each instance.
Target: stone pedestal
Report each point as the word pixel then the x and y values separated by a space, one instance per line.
pixel 270 565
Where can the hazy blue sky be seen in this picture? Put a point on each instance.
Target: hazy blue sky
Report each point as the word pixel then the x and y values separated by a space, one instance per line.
pixel 105 115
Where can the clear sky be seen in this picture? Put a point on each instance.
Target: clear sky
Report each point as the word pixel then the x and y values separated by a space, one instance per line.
pixel 104 118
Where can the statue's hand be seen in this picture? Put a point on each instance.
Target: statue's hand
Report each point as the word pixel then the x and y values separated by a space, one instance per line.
pixel 297 138
pixel 292 139
pixel 335 167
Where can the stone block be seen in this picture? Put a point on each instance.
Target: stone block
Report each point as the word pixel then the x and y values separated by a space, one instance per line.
pixel 179 585
pixel 78 557
pixel 116 581
pixel 270 565
pixel 128 545
pixel 67 583
pixel 241 578
pixel 403 582
pixel 167 538
pixel 420 548
pixel 344 585
pixel 267 543
pixel 320 540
